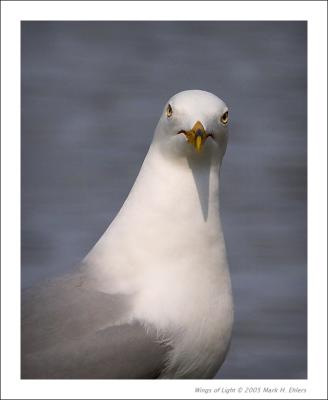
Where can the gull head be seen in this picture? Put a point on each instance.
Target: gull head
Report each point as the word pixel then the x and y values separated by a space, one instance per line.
pixel 193 124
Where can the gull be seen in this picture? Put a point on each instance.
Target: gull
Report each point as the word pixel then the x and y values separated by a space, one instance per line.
pixel 152 299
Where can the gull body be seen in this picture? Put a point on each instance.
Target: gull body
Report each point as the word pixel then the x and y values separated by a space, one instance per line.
pixel 164 253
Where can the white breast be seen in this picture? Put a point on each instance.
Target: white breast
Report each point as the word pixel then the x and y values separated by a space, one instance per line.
pixel 169 251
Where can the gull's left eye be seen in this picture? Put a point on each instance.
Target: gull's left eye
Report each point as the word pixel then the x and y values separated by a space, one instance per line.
pixel 224 118
pixel 169 111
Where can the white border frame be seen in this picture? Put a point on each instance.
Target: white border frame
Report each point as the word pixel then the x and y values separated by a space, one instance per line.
pixel 12 13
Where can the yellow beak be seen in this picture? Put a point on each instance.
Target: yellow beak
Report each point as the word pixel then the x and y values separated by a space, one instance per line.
pixel 197 135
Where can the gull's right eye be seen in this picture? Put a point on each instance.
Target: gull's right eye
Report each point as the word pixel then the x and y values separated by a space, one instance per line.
pixel 169 111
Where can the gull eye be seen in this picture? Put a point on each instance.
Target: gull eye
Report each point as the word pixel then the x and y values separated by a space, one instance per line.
pixel 169 111
pixel 224 118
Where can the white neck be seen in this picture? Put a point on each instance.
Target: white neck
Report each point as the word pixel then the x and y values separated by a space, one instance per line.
pixel 171 211
pixel 178 188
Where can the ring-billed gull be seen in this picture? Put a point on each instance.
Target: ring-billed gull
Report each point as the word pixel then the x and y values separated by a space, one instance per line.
pixel 153 296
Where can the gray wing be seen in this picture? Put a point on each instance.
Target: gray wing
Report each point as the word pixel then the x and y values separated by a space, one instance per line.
pixel 71 332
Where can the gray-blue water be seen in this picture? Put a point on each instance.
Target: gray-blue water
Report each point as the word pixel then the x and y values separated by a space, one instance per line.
pixel 92 93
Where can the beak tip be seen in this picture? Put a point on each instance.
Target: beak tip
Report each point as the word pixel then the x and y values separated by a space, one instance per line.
pixel 198 143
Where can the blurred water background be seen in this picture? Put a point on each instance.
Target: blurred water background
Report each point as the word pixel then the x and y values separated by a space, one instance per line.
pixel 92 93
